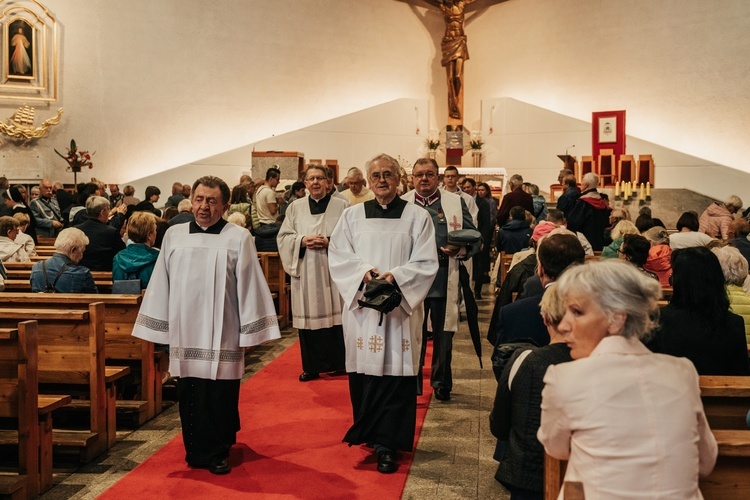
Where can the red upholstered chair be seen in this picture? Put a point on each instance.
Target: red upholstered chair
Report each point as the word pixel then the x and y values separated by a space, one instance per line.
pixel 587 165
pixel 605 167
pixel 626 168
pixel 645 171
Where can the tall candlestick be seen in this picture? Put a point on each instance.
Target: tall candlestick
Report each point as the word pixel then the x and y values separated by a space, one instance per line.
pixel 648 190
pixel 617 189
pixel 642 192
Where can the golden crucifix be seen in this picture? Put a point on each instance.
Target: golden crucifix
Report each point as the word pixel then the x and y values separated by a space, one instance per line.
pixel 455 52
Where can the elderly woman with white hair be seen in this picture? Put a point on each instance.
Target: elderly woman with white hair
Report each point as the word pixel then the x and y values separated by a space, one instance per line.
pixel 10 249
pixel 715 220
pixel 735 269
pixel 61 272
pixel 629 422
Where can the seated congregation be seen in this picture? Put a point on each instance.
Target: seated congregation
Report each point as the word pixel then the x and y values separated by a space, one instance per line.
pixel 600 356
pixel 587 297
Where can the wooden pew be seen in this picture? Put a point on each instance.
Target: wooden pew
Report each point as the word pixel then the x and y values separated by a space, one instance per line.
pixel 24 285
pixel 273 270
pixel 121 347
pixel 730 478
pixel 71 355
pixel 726 401
pixel 18 390
pixel 18 400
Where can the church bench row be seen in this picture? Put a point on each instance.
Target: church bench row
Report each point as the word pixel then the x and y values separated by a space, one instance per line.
pixel 120 314
pixel 730 478
pixel 32 413
pixel 71 360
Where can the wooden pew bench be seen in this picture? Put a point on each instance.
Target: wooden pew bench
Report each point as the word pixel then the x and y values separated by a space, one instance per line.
pixel 726 401
pixel 120 347
pixel 24 285
pixel 71 360
pixel 19 400
pixel 275 276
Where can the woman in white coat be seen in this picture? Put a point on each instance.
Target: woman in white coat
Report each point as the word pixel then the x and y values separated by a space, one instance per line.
pixel 629 422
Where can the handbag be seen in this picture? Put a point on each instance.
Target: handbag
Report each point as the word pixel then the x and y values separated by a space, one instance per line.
pixel 381 295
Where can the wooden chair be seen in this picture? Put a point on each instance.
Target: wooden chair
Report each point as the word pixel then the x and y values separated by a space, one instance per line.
pixel 645 171
pixel 626 168
pixel 587 165
pixel 606 167
pixel 275 275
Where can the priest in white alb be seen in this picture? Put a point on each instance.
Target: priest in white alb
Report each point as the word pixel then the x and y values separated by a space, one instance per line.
pixel 392 240
pixel 316 303
pixel 208 299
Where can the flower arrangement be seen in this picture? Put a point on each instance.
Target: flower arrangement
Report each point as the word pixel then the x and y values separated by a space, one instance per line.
pixel 476 144
pixel 432 144
pixel 76 159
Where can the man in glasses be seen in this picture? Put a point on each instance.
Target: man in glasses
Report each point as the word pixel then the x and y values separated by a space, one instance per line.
pixel 316 303
pixel 392 240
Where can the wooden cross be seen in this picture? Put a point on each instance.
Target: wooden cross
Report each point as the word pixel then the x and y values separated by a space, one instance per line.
pixel 455 224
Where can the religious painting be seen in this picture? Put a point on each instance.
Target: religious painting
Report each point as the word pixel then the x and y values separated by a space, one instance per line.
pixel 20 50
pixel 608 129
pixel 30 64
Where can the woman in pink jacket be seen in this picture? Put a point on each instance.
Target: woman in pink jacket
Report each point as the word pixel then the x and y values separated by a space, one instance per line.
pixel 629 422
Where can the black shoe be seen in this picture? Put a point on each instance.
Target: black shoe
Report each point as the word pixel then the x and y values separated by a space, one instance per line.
pixel 219 467
pixel 387 462
pixel 442 394
pixel 306 377
pixel 338 373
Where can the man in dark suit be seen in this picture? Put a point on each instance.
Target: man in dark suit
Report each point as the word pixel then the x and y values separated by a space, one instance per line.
pixel 516 197
pixel 104 240
pixel 567 200
pixel 521 319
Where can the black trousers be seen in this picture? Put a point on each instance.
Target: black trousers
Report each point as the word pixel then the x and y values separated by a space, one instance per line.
pixel 384 410
pixel 442 344
pixel 210 418
pixel 322 350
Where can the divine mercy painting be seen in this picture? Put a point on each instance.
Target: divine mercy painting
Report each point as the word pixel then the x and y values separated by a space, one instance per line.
pixel 20 50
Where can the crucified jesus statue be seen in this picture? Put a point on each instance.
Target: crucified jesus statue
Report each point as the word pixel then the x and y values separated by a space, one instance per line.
pixel 455 50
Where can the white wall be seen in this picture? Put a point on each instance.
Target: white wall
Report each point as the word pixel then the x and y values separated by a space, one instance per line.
pixel 154 85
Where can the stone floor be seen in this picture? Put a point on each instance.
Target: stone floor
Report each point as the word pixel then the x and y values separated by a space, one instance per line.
pixel 453 457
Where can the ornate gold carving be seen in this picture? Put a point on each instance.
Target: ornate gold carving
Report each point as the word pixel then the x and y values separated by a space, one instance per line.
pixel 20 127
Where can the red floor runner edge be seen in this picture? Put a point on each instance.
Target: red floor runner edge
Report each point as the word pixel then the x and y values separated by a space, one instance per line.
pixel 289 446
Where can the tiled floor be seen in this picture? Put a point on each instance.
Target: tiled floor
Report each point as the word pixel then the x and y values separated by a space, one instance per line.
pixel 453 458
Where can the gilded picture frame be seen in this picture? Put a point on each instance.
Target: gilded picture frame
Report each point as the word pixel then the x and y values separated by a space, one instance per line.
pixel 29 46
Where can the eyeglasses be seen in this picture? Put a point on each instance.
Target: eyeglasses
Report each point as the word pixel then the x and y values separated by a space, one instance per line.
pixel 427 175
pixel 315 179
pixel 387 175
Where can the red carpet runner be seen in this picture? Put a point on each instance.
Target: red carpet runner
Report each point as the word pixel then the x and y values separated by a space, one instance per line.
pixel 289 447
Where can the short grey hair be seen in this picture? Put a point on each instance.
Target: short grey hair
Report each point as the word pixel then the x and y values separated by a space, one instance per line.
pixel 657 235
pixel 515 181
pixel 69 239
pixel 95 205
pixel 733 265
pixel 590 179
pixel 616 287
pixel 355 172
pixel 185 205
pixel 388 159
pixel 733 201
pixel 237 218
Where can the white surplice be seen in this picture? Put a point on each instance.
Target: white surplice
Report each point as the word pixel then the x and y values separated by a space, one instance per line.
pixel 316 302
pixel 404 247
pixel 207 299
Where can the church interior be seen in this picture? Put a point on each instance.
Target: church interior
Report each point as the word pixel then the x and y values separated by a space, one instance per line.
pixel 171 90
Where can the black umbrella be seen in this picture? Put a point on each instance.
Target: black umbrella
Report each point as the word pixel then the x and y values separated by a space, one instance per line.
pixel 471 311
